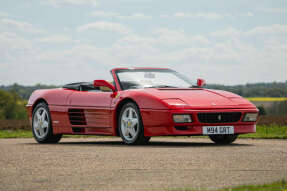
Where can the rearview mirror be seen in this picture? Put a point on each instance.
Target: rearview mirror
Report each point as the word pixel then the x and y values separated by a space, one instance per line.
pixel 104 83
pixel 200 82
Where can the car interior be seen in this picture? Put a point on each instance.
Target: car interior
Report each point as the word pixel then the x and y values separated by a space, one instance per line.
pixel 85 86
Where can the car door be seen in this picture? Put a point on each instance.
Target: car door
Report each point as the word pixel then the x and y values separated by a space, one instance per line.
pixel 90 109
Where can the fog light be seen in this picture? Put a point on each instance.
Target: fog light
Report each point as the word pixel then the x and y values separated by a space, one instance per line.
pixel 250 117
pixel 180 118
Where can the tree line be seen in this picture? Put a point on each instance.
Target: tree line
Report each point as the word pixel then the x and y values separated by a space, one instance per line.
pixel 13 98
pixel 275 89
pixel 24 92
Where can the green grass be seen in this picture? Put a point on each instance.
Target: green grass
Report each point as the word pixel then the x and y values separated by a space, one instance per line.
pixel 268 132
pixel 15 134
pixel 29 134
pixel 275 186
pixel 262 132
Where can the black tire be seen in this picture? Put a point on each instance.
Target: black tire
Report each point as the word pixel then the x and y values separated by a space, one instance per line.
pixel 139 139
pixel 147 139
pixel 49 137
pixel 223 139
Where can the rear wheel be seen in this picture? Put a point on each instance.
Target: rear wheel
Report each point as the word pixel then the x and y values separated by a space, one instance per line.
pixel 223 139
pixel 42 126
pixel 130 125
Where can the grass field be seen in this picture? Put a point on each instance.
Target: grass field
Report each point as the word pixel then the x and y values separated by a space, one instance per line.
pixel 268 132
pixel 15 134
pixel 29 134
pixel 275 186
pixel 269 99
pixel 263 132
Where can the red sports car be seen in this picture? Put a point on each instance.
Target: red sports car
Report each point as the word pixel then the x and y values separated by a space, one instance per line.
pixel 138 104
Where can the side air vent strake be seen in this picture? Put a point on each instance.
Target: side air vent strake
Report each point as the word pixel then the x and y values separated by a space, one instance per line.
pixel 77 117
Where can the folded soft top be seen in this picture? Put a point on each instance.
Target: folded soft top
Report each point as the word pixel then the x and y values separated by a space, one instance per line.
pixel 80 86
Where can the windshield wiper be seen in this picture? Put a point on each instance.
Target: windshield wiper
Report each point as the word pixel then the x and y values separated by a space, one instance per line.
pixel 162 86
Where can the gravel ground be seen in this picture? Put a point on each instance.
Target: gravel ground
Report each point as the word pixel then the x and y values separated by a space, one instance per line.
pixel 107 164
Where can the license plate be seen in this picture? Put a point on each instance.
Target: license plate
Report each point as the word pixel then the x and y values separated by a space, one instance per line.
pixel 214 130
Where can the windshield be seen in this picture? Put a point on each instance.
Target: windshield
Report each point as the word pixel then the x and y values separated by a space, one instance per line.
pixel 151 78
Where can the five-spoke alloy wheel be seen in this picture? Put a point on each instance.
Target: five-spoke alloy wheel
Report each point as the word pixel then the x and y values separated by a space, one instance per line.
pixel 41 125
pixel 130 125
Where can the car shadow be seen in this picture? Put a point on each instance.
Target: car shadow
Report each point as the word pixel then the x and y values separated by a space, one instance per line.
pixel 151 144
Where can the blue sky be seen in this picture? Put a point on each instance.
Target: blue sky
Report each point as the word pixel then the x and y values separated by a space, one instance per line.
pixel 62 41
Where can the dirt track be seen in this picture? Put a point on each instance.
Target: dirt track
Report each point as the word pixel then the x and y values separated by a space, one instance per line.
pixel 107 164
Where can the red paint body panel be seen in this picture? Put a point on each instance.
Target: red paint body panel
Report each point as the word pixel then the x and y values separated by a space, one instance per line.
pixel 100 109
pixel 159 122
pixel 97 107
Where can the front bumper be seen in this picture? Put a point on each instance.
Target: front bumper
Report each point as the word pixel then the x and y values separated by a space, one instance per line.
pixel 160 122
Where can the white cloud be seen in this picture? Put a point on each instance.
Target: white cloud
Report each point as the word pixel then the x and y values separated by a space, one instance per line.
pixel 205 15
pixel 11 24
pixel 230 31
pixel 232 53
pixel 194 55
pixel 12 41
pixel 162 37
pixel 14 50
pixel 164 16
pixel 228 55
pixel 104 14
pixel 136 16
pixel 177 15
pixel 59 3
pixel 3 14
pixel 15 23
pixel 250 14
pixel 271 29
pixel 55 39
pixel 105 26
pixel 198 15
pixel 275 29
pixel 274 10
pixel 173 37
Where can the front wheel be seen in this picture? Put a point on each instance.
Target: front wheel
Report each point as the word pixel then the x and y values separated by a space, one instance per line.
pixel 130 125
pixel 41 125
pixel 223 139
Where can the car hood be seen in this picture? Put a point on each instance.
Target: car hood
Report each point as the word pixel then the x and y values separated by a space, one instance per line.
pixel 199 98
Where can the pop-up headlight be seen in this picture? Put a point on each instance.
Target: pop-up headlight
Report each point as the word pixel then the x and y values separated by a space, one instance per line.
pixel 175 102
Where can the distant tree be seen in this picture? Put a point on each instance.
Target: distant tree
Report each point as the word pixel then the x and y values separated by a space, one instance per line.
pixel 262 110
pixel 7 105
pixel 11 106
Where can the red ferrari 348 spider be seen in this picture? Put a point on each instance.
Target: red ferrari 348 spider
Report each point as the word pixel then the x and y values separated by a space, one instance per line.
pixel 138 104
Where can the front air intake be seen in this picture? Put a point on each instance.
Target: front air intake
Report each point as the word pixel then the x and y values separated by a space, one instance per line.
pixel 77 117
pixel 227 117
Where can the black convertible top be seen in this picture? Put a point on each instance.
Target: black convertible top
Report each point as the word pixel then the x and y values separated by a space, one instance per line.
pixel 81 86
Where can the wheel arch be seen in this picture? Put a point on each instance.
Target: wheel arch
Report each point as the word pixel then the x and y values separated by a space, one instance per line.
pixel 118 111
pixel 37 102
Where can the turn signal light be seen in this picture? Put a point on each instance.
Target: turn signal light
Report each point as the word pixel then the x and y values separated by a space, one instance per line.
pixel 250 117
